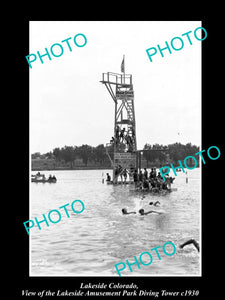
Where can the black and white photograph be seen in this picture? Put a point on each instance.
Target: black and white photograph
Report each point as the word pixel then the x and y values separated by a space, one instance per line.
pixel 120 158
pixel 111 125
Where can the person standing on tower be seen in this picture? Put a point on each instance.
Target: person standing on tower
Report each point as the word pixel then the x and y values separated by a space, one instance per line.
pixel 122 135
pixel 117 134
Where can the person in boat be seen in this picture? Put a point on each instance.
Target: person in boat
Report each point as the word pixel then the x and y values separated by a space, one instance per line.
pixel 108 177
pixel 50 177
pixel 154 203
pixel 53 177
pixel 191 241
pixel 125 212
pixel 143 213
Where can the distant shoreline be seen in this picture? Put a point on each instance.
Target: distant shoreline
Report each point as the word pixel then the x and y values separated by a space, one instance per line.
pixel 69 169
pixel 78 168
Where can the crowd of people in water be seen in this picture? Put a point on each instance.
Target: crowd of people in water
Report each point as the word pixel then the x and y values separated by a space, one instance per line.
pixel 151 181
pixel 143 180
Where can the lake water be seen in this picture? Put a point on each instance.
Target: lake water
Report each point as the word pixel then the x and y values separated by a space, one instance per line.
pixel 91 243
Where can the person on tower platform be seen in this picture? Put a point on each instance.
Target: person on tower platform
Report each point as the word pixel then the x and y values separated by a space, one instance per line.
pixel 122 135
pixel 117 134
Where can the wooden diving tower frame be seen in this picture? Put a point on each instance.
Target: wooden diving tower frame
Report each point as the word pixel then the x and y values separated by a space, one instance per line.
pixel 124 143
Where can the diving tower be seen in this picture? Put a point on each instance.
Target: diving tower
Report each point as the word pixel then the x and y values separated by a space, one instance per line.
pixel 123 143
pixel 122 149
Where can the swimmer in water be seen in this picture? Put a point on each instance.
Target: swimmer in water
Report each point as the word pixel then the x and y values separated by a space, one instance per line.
pixel 125 212
pixel 154 203
pixel 191 241
pixel 143 213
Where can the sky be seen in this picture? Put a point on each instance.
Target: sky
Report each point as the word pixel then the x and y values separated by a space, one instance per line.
pixel 70 106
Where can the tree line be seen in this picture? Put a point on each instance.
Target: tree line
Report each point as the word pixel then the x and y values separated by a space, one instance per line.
pixel 69 154
pixel 172 152
pixel 97 155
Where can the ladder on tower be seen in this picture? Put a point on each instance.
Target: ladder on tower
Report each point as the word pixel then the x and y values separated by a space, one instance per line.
pixel 108 146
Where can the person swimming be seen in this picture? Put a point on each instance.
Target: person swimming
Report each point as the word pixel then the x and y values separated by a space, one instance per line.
pixel 143 213
pixel 191 241
pixel 125 212
pixel 154 203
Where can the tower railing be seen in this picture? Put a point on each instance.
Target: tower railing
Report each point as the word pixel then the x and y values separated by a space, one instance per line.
pixel 116 78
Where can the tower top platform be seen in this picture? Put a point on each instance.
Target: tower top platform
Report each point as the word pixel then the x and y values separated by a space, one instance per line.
pixel 117 79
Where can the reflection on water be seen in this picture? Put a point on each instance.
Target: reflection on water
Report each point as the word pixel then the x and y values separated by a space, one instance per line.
pixel 91 243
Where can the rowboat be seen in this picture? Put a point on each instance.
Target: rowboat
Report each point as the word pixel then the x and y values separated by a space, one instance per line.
pixel 41 178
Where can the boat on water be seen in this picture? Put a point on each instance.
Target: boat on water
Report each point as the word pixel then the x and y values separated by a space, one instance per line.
pixel 41 178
